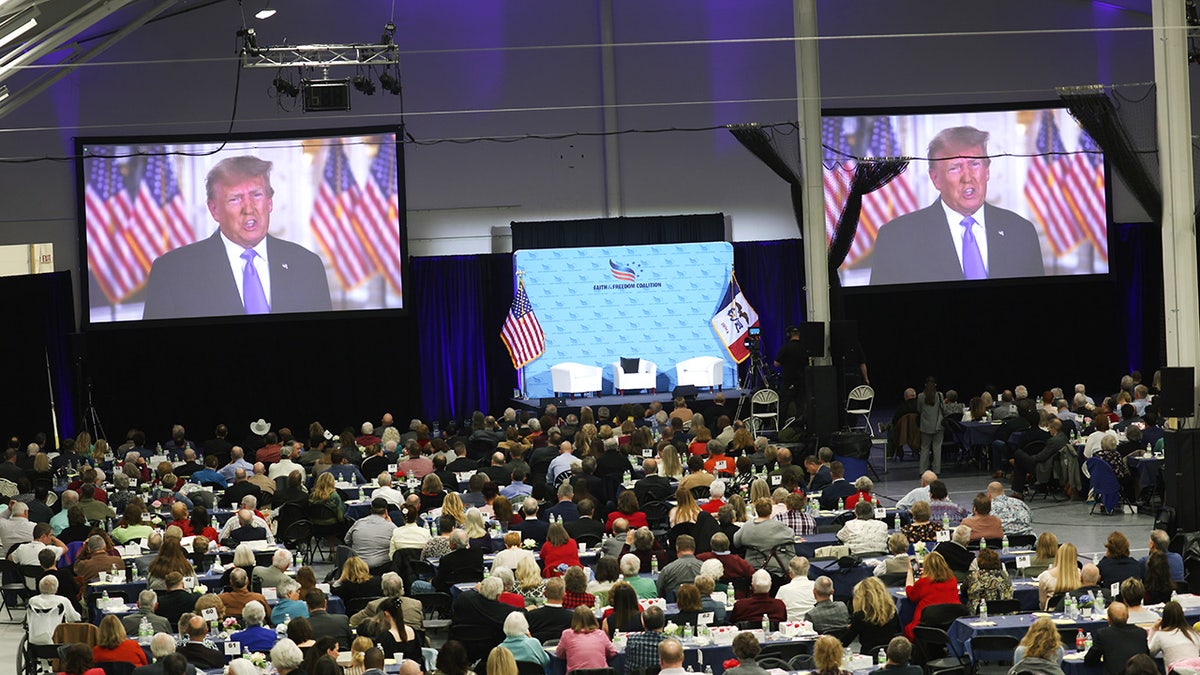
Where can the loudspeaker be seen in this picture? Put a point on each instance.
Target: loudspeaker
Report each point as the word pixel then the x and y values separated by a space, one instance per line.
pixel 843 336
pixel 687 391
pixel 812 336
pixel 821 386
pixel 558 401
pixel 1178 395
pixel 1182 449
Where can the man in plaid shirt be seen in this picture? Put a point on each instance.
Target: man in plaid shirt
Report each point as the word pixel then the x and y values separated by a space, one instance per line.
pixel 641 651
pixel 795 517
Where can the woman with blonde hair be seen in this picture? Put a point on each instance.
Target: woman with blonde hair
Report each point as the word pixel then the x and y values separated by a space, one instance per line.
pixel 874 620
pixel 358 650
pixel 827 656
pixel 686 510
pixel 356 581
pixel 453 506
pixel 1044 554
pixel 243 558
pixel 500 661
pixel 476 530
pixel 1062 577
pixel 738 504
pixel 324 493
pixel 936 586
pixel 99 451
pixel 670 466
pixel 530 583
pixel 83 444
pixel 584 437
pixel 758 490
pixel 1040 650
pixel 112 644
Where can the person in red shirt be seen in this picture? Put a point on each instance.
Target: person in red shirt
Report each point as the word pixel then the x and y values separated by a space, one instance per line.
pixel 936 586
pixel 720 464
pixel 113 645
pixel 736 569
pixel 864 487
pixel 629 509
pixel 510 581
pixel 559 552
pixel 699 445
pixel 201 524
pixel 760 602
pixel 179 518
pixel 716 497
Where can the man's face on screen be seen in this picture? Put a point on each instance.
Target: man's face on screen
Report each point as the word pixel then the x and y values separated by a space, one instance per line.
pixel 963 179
pixel 243 210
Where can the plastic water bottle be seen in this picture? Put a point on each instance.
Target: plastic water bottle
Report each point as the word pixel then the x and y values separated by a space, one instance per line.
pixel 1004 543
pixel 946 521
pixel 881 657
pixel 1080 641
pixel 299 561
pixel 105 597
pixel 983 608
pixel 982 544
pixel 708 670
pixel 626 477
pixel 687 631
pixel 1087 642
pixel 841 504
pixel 1096 558
pixel 896 522
pixel 766 626
pixel 361 494
pixel 145 630
pixel 654 564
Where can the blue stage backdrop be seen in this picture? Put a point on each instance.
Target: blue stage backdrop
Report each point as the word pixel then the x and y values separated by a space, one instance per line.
pixel 597 305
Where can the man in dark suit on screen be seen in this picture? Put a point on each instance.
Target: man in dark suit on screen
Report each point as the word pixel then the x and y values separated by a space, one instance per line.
pixel 240 269
pixel 959 236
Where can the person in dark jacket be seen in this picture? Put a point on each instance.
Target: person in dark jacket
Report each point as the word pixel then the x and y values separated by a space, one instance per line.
pixel 1115 644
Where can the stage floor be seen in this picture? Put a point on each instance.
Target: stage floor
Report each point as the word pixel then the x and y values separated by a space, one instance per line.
pixel 616 401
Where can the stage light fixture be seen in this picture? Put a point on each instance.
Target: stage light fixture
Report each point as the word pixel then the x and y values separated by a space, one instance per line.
pixel 265 13
pixel 18 24
pixel 286 87
pixel 363 84
pixel 389 83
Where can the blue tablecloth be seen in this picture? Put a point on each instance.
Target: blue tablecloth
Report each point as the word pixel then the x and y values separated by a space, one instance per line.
pixel 979 433
pixel 1024 591
pixel 697 657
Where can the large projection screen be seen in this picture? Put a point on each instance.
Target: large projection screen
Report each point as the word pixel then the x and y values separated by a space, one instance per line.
pixel 1036 193
pixel 166 224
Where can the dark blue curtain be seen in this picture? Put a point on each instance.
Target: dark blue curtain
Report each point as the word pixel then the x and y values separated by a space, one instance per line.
pixel 1136 264
pixel 43 308
pixel 771 274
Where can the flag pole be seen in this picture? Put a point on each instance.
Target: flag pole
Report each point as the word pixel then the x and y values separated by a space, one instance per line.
pixel 520 371
pixel 50 386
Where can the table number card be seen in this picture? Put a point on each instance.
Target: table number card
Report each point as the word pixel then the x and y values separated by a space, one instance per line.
pixel 233 648
pixel 943 535
pixel 209 614
pixel 1023 561
pixel 704 618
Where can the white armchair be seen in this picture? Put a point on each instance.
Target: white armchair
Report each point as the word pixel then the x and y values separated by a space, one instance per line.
pixel 701 371
pixel 644 378
pixel 576 378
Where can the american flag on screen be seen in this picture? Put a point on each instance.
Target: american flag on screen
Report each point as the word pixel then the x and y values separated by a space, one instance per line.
pixel 337 200
pixel 1085 193
pixel 522 334
pixel 837 173
pixel 894 199
pixel 1045 181
pixel 159 222
pixel 107 208
pixel 378 218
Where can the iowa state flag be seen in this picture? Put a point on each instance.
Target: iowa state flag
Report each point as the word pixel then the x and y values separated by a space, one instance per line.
pixel 733 320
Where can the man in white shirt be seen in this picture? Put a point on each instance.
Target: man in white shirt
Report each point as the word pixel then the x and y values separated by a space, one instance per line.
pixel 386 492
pixel 797 594
pixel 248 503
pixel 43 538
pixel 47 610
pixel 918 494
pixel 15 526
pixel 670 657
pixel 285 466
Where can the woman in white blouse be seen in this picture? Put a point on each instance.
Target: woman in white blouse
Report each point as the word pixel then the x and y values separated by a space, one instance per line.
pixel 1173 636
pixel 864 533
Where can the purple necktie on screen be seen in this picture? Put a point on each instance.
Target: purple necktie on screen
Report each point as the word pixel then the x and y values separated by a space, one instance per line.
pixel 253 295
pixel 971 258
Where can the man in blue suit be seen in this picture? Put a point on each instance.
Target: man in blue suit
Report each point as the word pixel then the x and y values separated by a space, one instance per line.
pixel 240 269
pixel 960 236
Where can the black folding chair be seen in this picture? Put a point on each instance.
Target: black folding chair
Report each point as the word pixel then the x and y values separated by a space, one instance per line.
pixel 992 654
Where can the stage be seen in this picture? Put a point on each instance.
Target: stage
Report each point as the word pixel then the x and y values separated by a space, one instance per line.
pixel 614 401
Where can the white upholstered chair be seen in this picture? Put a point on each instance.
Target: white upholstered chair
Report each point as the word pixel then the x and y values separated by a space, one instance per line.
pixel 575 378
pixel 701 371
pixel 644 378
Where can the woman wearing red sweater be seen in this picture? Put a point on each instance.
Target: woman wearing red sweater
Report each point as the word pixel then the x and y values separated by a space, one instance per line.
pixel 936 586
pixel 559 549
pixel 627 508
pixel 112 645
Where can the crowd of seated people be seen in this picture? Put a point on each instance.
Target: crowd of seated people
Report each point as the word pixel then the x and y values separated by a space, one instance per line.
pixel 521 490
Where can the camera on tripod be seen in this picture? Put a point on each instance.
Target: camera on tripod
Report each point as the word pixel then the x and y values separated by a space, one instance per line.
pixel 753 339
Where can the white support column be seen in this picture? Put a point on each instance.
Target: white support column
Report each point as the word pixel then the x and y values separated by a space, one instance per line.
pixel 1181 300
pixel 808 93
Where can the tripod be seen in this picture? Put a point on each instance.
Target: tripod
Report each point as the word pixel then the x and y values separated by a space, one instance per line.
pixel 756 374
pixel 91 418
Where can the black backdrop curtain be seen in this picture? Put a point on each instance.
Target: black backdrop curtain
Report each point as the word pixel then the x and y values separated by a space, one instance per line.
pixel 618 231
pixel 41 307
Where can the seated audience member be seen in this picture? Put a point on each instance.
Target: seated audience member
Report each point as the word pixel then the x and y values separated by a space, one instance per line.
pixel 983 524
pixel 1062 578
pixel 899 655
pixel 357 581
pixel 838 487
pixel 863 491
pixel 941 509
pixel 1115 644
pixel 641 650
pixel 769 544
pixel 936 586
pixel 827 656
pixel 988 581
pixel 240 594
pixel 629 509
pixel 864 533
pixel 745 649
pixel 147 603
pixel 917 494
pixel 48 610
pixel 1040 650
pixel 1159 541
pixel 1013 513
pixel 955 553
pixel 584 645
pixel 575 582
pixel 796 516
pixel 77 660
pixel 760 602
pixel 289 606
pixel 1173 636
pixel 587 525
pixel 112 644
pixel 461 565
pixel 196 651
pixel 551 619
pixel 898 559
pixel 1117 565
pixel 559 552
pixel 1157 579
pixel 826 613
pixel 518 640
pixel 683 569
pixel 921 528
pixel 324 624
pixel 255 637
pixel 645 547
pixel 1133 593
pixel 735 566
pixel 797 594
pixel 875 620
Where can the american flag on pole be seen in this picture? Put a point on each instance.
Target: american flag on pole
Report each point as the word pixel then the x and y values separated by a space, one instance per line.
pixel 522 334
pixel 107 208
pixel 378 218
pixel 837 173
pixel 894 199
pixel 337 199
pixel 1044 188
pixel 159 221
pixel 734 319
pixel 1085 193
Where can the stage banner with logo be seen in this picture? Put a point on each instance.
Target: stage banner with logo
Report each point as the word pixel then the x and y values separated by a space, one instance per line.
pixel 597 305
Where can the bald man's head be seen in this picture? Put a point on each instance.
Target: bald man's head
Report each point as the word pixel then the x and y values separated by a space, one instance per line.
pixel 1089 575
pixel 995 489
pixel 1118 614
pixel 910 394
